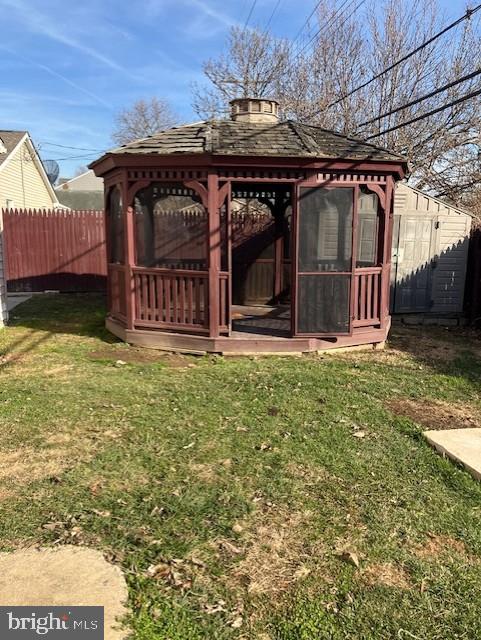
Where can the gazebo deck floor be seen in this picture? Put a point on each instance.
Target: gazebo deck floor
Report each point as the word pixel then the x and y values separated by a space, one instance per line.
pixel 247 341
pixel 266 321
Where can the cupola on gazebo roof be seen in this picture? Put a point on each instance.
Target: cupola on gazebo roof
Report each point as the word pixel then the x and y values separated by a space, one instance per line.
pixel 252 234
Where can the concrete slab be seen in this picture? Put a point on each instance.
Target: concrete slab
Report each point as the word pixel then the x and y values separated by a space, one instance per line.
pixel 462 445
pixel 14 299
pixel 66 575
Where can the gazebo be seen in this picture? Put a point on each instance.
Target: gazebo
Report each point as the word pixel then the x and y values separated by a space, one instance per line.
pixel 249 235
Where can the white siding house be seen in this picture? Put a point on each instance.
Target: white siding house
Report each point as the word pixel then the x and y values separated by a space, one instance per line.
pixel 23 181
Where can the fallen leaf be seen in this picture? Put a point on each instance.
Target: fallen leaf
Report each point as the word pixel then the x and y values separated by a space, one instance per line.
pixel 102 514
pixel 160 570
pixel 237 528
pixel 302 572
pixel 230 548
pixel 264 446
pixel 237 622
pixel 350 556
pixel 189 446
pixel 359 434
pixel 52 526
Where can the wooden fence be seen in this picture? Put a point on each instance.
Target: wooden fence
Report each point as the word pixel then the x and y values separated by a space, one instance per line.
pixel 59 250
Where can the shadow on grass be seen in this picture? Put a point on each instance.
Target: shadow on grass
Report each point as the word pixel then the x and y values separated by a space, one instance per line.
pixel 81 314
pixel 46 315
pixel 77 314
pixel 453 351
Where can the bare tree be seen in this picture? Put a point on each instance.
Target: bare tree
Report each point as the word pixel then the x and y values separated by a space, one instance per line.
pixel 316 83
pixel 142 119
pixel 252 68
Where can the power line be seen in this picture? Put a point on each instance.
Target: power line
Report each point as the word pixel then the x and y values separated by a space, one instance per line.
pixel 329 23
pixel 468 76
pixel 272 15
pixel 63 146
pixel 473 94
pixel 466 16
pixel 250 14
pixel 306 22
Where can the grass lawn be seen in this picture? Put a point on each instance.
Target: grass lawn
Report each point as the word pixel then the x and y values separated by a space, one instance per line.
pixel 274 498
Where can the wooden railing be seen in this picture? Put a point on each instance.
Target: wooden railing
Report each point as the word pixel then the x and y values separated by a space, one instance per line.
pixel 168 298
pixel 171 298
pixel 367 297
pixel 116 291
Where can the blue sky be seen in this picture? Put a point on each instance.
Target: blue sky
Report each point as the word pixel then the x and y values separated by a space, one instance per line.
pixel 67 66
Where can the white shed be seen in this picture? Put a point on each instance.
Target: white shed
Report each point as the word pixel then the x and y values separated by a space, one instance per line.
pixel 429 254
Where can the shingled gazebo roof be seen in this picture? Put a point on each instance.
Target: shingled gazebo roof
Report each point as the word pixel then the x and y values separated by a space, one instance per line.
pixel 279 139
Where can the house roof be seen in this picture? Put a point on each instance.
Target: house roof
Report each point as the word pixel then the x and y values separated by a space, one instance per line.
pixel 236 138
pixel 10 141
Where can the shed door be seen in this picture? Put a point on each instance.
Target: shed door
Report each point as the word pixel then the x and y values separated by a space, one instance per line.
pixel 413 264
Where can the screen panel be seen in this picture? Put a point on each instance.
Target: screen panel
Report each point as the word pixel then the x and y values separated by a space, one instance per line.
pixel 324 303
pixel 325 229
pixel 324 260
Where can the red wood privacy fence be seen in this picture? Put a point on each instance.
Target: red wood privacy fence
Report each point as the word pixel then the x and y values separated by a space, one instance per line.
pixel 59 250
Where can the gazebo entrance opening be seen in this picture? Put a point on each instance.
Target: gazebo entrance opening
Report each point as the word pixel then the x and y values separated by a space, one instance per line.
pixel 260 221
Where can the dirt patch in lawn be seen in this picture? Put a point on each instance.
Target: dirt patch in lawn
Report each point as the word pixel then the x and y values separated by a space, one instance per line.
pixel 204 472
pixel 385 574
pixel 437 545
pixel 274 553
pixel 27 465
pixel 61 451
pixel 141 356
pixel 435 414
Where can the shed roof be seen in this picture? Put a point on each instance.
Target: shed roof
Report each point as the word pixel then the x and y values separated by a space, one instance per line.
pixel 286 139
pixel 10 140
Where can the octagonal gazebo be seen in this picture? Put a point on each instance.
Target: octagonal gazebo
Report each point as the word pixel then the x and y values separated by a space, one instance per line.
pixel 249 235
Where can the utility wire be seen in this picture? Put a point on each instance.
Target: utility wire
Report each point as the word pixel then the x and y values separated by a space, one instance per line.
pixel 329 23
pixel 63 146
pixel 473 94
pixel 307 21
pixel 272 15
pixel 469 13
pixel 468 76
pixel 250 14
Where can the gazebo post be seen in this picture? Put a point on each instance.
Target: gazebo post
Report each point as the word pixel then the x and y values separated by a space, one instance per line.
pixel 129 249
pixel 214 249
pixel 386 252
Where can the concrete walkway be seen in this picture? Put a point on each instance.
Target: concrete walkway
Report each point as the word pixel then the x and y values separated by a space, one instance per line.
pixel 65 576
pixel 461 445
pixel 14 299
